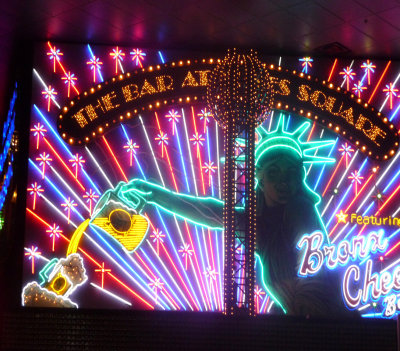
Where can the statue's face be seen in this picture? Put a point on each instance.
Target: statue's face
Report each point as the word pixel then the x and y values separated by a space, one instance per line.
pixel 280 179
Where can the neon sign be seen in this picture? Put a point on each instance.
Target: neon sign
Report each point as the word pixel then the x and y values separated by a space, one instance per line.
pixel 146 257
pixel 124 97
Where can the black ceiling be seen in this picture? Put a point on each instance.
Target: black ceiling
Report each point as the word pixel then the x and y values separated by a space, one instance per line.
pixel 298 27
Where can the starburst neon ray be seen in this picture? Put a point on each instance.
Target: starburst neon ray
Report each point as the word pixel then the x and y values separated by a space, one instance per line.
pixel 369 68
pixel 91 197
pixel 54 55
pixel 390 92
pixel 38 131
pixel 35 190
pixel 356 179
pixel 358 88
pixel 54 232
pixel 348 75
pixel 69 79
pixel 168 290
pixel 209 169
pixel 122 284
pixel 347 151
pixel 162 139
pixel 44 159
pixel 45 87
pixel 138 56
pixel 187 252
pixel 68 205
pixel 61 143
pixel 184 284
pixel 306 63
pixel 152 151
pixel 32 253
pixel 95 65
pixel 117 55
pixel 77 162
pixel 205 117
pixel 157 238
pixel 165 142
pixel 173 116
pixel 134 153
pixel 49 94
pixel 102 270
pixel 131 148
pixel 119 260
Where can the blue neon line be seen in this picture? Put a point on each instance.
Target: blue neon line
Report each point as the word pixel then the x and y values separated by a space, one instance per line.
pixel 163 280
pixel 395 233
pixel 98 69
pixel 161 57
pixel 136 159
pixel 125 263
pixel 204 268
pixel 220 270
pixel 65 147
pixel 340 203
pixel 391 181
pixel 362 80
pixel 350 231
pixel 182 161
pixel 345 195
pixel 394 113
pixel 178 258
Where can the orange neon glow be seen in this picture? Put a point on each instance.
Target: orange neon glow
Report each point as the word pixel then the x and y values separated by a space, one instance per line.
pixel 115 159
pixel 379 82
pixel 333 68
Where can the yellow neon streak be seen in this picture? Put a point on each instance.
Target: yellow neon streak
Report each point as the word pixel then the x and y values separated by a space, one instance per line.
pixel 76 237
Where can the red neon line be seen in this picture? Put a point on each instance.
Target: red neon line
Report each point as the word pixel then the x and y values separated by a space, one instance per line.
pixel 387 200
pixel 61 160
pixel 311 131
pixel 388 252
pixel 93 260
pixel 200 162
pixel 358 194
pixel 213 262
pixel 266 305
pixel 152 226
pixel 129 289
pixel 169 299
pixel 351 203
pixel 198 267
pixel 379 82
pixel 333 174
pixel 166 153
pixel 39 218
pixel 115 159
pixel 62 67
pixel 333 68
pixel 180 276
pixel 168 296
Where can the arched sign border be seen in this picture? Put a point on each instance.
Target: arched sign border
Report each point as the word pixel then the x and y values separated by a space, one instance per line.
pixel 123 97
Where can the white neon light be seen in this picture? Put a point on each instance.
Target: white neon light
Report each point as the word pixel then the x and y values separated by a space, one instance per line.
pixel 111 294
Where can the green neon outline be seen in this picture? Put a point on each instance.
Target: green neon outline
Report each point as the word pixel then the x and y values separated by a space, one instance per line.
pixel 43 272
pixel 273 297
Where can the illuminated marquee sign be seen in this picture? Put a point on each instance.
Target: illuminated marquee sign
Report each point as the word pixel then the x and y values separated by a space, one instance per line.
pixel 128 95
pixel 124 186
